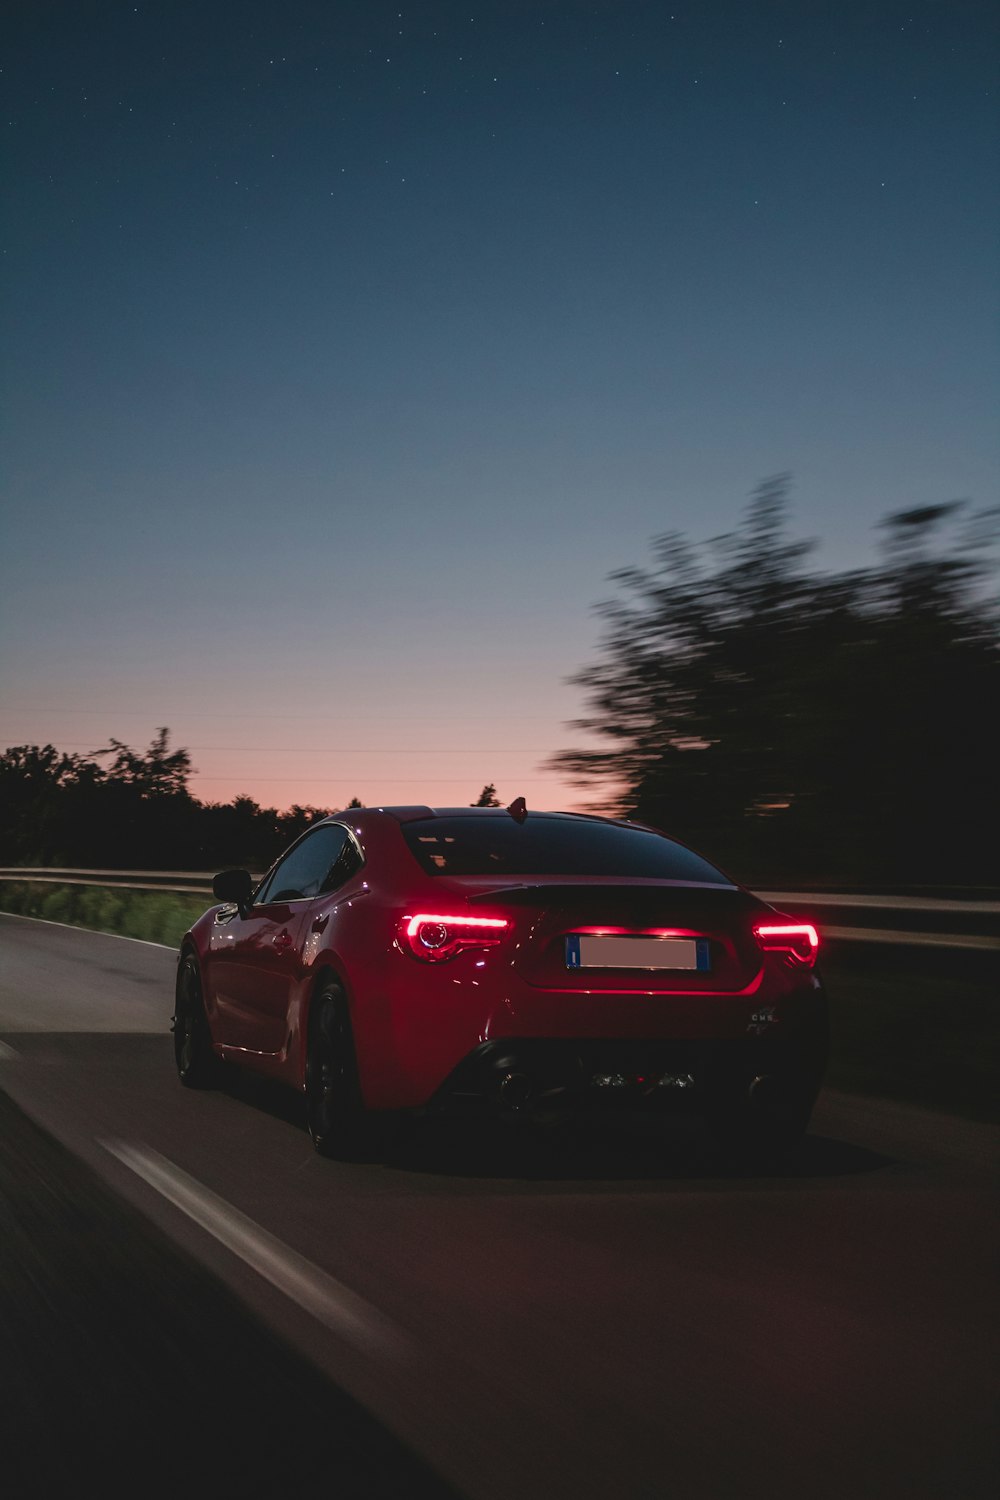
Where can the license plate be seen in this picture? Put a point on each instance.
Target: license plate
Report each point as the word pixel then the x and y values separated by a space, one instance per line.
pixel 600 951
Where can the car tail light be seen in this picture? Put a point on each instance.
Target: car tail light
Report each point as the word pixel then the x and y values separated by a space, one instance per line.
pixel 433 937
pixel 798 941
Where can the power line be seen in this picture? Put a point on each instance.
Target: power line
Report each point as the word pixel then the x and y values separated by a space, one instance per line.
pixel 325 749
pixel 154 715
pixel 368 780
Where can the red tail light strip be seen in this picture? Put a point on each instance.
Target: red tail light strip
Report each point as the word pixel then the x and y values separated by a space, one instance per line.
pixel 423 916
pixel 433 936
pixel 799 940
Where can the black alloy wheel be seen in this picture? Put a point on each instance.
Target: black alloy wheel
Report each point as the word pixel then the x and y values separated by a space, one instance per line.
pixel 761 1125
pixel 780 1110
pixel 339 1124
pixel 198 1067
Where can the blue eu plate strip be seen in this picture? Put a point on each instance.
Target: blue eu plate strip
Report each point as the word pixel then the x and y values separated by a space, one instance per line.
pixel 573 951
pixel 701 949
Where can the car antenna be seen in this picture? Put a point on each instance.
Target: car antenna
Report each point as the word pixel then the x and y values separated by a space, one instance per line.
pixel 518 810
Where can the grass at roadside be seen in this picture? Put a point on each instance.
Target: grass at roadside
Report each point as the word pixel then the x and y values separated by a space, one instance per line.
pixel 155 916
pixel 917 1024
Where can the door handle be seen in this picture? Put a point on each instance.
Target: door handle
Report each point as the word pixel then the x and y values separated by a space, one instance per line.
pixel 281 941
pixel 320 922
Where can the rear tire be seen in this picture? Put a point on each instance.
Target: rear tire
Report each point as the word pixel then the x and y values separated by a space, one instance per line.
pixel 339 1124
pixel 780 1116
pixel 198 1067
pixel 766 1127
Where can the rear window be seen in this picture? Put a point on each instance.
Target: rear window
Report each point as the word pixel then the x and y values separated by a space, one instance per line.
pixel 551 846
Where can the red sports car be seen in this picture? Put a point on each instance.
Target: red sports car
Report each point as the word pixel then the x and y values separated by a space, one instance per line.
pixel 410 959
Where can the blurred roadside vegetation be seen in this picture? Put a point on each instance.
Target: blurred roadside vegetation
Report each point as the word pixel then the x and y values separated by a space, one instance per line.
pixel 153 916
pixel 802 726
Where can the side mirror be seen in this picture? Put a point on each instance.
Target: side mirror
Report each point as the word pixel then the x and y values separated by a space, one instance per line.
pixel 235 886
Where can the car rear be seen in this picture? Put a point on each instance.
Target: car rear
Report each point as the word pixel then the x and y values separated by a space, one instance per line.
pixel 621 969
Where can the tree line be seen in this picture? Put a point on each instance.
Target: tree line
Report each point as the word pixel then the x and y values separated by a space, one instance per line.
pixel 787 722
pixel 124 809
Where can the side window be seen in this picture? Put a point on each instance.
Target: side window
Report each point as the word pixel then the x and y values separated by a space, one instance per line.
pixel 348 860
pixel 306 869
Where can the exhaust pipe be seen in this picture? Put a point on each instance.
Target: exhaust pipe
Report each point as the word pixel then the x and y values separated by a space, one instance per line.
pixel 515 1090
pixel 764 1092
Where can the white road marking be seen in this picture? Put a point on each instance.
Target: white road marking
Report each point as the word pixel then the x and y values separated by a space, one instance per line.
pixel 7 1054
pixel 329 1301
pixel 75 927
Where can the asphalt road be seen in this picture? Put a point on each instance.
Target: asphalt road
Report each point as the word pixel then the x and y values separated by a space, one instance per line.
pixel 189 1295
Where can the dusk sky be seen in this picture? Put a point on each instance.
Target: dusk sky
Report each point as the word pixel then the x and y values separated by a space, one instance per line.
pixel 349 346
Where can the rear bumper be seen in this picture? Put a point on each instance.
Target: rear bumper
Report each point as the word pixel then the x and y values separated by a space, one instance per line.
pixel 436 1036
pixel 530 1077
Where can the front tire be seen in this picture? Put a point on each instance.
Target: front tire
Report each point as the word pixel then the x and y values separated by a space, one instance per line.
pixel 198 1067
pixel 339 1124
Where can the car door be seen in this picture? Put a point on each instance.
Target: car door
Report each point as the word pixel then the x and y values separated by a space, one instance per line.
pixel 257 960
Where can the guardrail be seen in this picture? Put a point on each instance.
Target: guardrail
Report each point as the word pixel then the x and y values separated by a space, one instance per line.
pixel 979 916
pixel 196 883
pixel 976 923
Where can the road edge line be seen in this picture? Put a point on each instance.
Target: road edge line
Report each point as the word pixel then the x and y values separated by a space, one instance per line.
pixel 100 931
pixel 331 1303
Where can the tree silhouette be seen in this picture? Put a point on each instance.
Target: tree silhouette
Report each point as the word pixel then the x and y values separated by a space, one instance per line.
pixel 160 772
pixel 487 797
pixel 833 724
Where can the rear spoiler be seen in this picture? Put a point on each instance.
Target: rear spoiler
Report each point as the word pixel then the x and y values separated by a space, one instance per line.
pixel 530 891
